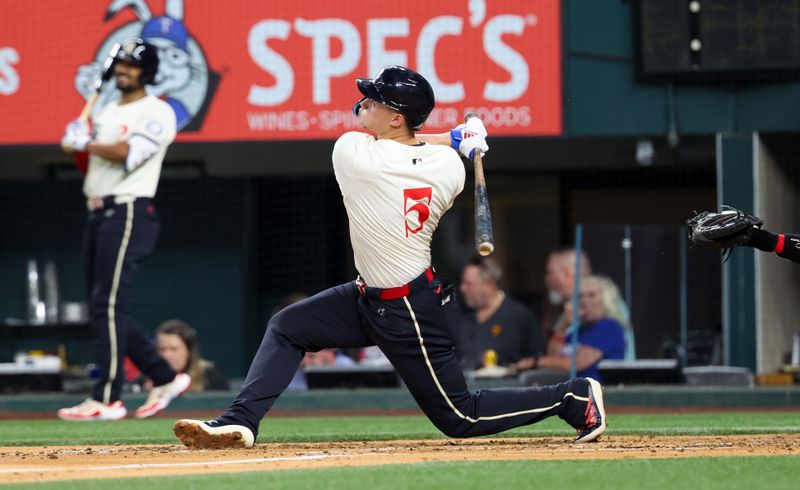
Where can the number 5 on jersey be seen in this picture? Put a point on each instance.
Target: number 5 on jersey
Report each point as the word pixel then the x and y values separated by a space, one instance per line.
pixel 417 200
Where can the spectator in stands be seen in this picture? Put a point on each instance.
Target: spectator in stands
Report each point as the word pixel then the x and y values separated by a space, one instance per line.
pixel 177 343
pixel 600 335
pixel 560 282
pixel 372 356
pixel 495 321
pixel 325 357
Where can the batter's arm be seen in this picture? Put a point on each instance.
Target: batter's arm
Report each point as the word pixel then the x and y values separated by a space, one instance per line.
pixel 435 138
pixel 469 139
pixel 116 152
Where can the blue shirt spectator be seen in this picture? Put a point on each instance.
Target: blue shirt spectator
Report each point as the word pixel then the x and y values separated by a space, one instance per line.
pixel 605 335
pixel 600 336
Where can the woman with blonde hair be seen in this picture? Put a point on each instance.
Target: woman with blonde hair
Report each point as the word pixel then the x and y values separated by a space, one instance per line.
pixel 600 333
pixel 617 309
pixel 177 343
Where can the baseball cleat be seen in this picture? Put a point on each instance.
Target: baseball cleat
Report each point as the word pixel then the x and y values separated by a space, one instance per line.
pixel 196 434
pixel 161 396
pixel 93 410
pixel 595 414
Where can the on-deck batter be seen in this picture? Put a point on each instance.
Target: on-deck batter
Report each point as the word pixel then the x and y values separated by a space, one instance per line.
pixel 131 137
pixel 396 186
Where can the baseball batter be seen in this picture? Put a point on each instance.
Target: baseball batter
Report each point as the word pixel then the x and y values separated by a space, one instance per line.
pixel 396 185
pixel 130 140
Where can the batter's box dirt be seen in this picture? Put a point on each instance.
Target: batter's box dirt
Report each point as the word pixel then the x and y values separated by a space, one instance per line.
pixel 23 464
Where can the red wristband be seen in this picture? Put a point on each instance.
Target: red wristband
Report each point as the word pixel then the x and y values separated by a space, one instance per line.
pixel 779 246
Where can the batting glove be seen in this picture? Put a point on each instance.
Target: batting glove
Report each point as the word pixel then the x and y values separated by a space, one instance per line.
pixel 469 137
pixel 76 136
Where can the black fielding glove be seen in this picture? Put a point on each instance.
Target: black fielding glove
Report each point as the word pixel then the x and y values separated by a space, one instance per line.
pixel 722 230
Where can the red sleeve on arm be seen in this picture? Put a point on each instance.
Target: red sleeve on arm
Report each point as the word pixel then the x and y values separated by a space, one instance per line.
pixel 82 161
pixel 781 241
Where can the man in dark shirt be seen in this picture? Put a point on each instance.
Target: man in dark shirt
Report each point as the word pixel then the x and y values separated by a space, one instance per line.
pixel 495 321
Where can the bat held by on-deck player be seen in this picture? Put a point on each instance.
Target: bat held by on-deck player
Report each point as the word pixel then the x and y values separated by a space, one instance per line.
pixel 108 72
pixel 83 118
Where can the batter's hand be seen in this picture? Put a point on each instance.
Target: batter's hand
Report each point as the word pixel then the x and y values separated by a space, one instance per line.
pixel 469 137
pixel 76 136
pixel 87 78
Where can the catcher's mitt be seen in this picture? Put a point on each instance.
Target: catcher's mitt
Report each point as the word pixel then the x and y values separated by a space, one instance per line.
pixel 726 229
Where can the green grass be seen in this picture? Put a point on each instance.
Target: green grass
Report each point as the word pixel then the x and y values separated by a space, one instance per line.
pixel 310 429
pixel 730 473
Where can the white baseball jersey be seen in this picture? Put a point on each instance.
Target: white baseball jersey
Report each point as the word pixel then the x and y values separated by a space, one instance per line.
pixel 395 195
pixel 148 125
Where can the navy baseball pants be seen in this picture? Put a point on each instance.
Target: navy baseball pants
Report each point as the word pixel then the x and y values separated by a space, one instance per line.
pixel 116 239
pixel 414 332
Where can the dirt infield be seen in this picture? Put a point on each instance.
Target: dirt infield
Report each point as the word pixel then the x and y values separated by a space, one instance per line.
pixel 29 464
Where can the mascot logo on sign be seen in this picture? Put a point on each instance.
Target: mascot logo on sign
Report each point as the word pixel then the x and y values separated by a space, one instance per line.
pixel 183 80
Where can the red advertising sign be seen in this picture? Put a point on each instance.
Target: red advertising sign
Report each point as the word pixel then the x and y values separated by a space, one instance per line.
pixel 246 70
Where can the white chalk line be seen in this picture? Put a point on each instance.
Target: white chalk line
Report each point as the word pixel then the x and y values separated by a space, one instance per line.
pixel 140 466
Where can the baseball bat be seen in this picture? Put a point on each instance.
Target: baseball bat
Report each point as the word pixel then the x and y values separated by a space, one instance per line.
pixel 484 236
pixel 108 72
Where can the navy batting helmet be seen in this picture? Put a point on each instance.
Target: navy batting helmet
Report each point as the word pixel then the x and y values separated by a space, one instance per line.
pixel 142 54
pixel 401 89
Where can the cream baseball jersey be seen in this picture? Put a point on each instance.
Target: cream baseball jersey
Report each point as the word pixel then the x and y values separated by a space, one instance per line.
pixel 395 195
pixel 148 125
